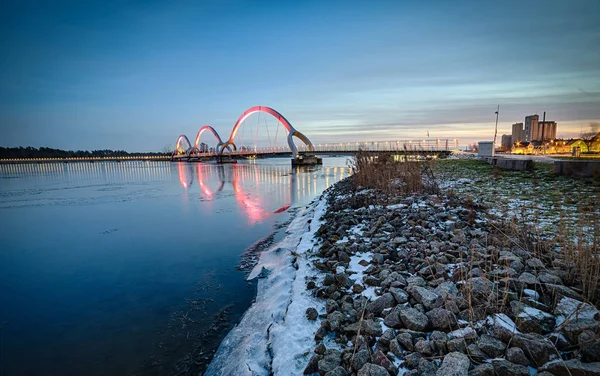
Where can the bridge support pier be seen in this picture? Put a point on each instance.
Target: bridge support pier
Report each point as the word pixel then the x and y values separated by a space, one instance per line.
pixel 225 159
pixel 307 160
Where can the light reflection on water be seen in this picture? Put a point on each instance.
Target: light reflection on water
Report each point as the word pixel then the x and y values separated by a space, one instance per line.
pixel 96 259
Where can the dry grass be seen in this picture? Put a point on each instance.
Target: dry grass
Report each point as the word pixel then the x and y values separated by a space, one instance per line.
pixel 385 174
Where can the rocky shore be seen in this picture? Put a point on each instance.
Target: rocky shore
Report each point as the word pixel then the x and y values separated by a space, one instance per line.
pixel 427 284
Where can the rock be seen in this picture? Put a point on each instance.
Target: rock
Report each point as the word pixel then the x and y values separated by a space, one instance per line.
pixel 573 327
pixel 330 361
pixel 369 327
pixel 426 368
pixel 528 279
pixel 503 327
pixel 395 348
pixel 504 367
pixel 413 319
pixel 380 359
pixel 485 369
pixel 335 320
pixel 337 371
pixel 405 339
pixel 535 263
pixel 377 306
pixel 371 281
pixel 479 286
pixel 475 354
pixel 558 291
pixel 440 318
pixel 321 333
pixel 387 336
pixel 531 319
pixel 428 298
pixel 422 347
pixel 357 289
pixel 493 347
pixel 446 289
pixel 535 347
pixel 439 340
pixel 590 347
pixel 454 364
pixel 392 319
pixel 571 367
pixel 568 306
pixel 312 314
pixel 370 369
pixel 320 349
pixel 545 277
pixel 343 280
pixel 400 295
pixel 361 358
pixel 416 281
pixel 466 333
pixel 313 365
pixel 331 305
pixel 457 345
pixel 517 356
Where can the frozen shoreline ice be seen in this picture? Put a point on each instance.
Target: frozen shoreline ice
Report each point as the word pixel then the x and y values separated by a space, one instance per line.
pixel 274 335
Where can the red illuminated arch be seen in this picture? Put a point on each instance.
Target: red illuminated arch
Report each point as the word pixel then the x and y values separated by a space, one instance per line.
pixel 292 132
pixel 195 148
pixel 178 145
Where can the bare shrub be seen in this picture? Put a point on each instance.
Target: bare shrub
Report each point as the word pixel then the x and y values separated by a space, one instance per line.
pixel 404 175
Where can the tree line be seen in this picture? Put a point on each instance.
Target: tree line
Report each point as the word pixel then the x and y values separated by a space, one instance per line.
pixel 43 152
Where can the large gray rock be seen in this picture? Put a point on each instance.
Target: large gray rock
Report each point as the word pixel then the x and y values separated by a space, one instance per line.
pixel 423 347
pixel 400 295
pixel 493 347
pixel 446 289
pixel 440 318
pixel 368 327
pixel 531 319
pixel 536 347
pixel 485 369
pixel 546 277
pixel 479 286
pixel 337 371
pixel 330 361
pixel 428 298
pixel 573 308
pixel 370 369
pixel 571 367
pixel 517 356
pixel 528 279
pixel 392 319
pixel 413 319
pixel 503 327
pixel 506 368
pixel 378 305
pixel 454 364
pixel 335 320
pixel 361 358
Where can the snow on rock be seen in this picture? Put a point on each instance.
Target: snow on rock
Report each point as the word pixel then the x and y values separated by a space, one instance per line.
pixel 274 335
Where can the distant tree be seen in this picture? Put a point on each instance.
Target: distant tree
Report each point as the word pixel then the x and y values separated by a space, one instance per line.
pixel 589 137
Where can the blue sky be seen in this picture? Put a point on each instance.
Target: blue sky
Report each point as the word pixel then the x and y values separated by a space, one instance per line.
pixel 134 75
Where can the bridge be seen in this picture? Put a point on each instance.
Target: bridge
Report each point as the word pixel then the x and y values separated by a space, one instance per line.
pixel 305 154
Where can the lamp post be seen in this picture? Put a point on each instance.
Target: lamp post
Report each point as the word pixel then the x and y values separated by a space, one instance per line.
pixel 495 131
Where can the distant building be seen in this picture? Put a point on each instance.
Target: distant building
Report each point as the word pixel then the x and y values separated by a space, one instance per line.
pixel 523 148
pixel 547 129
pixel 531 127
pixel 535 129
pixel 506 142
pixel 518 133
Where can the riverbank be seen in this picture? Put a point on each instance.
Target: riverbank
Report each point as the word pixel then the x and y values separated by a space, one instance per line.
pixel 461 281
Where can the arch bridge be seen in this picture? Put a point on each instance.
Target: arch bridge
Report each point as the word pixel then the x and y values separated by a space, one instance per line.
pixel 185 150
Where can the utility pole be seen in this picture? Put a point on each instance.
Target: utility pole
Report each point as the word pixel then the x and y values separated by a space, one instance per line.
pixel 495 131
pixel 543 126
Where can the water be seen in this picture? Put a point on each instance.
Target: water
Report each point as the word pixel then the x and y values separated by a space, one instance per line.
pixel 130 268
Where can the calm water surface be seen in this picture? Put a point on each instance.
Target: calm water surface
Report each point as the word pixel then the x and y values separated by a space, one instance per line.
pixel 130 268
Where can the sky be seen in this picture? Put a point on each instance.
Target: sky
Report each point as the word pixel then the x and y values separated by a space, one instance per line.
pixel 134 75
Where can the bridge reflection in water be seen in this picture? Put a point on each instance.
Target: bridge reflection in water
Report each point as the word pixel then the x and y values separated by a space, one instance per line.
pixel 259 190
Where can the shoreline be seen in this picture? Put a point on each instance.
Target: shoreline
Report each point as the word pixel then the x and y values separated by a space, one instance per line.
pixel 422 284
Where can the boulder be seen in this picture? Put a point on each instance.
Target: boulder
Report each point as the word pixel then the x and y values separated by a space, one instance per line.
pixel 312 314
pixel 531 319
pixel 361 358
pixel 377 306
pixel 485 369
pixel 506 368
pixel 517 356
pixel 330 361
pixel 492 346
pixel 440 318
pixel 337 371
pixel 454 364
pixel 370 369
pixel 571 367
pixel 536 347
pixel 503 327
pixel 413 319
pixel 399 295
pixel 428 298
